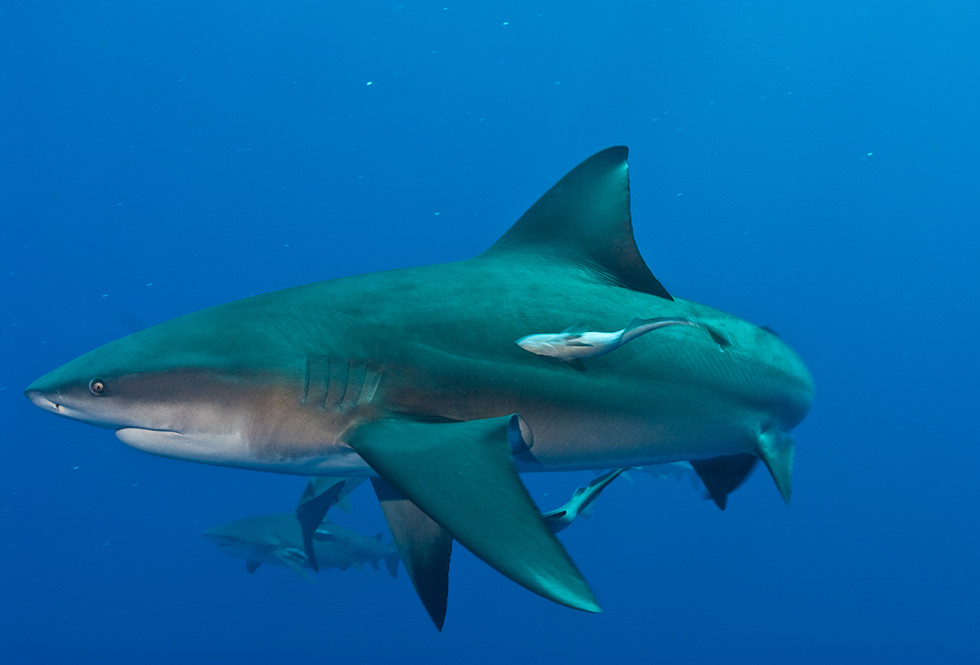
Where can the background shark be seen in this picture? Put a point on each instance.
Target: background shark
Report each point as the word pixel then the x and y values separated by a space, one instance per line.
pixel 276 539
pixel 413 377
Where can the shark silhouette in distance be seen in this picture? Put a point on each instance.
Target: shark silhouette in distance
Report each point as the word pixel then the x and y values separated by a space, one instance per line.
pixel 413 378
pixel 679 471
pixel 276 539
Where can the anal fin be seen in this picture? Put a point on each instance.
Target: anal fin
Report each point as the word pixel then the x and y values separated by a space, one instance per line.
pixel 722 475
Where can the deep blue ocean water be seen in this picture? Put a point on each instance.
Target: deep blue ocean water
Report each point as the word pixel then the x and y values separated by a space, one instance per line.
pixel 810 166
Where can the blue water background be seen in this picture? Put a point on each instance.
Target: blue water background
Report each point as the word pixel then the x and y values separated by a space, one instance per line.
pixel 810 166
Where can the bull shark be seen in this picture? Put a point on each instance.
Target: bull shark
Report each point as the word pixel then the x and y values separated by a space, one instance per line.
pixel 412 377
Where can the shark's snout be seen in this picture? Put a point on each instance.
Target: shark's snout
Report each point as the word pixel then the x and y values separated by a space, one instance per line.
pixel 42 400
pixel 217 538
pixel 63 399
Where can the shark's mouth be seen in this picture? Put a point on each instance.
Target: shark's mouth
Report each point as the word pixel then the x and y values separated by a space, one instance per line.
pixel 167 443
pixel 41 400
pixel 60 409
pixel 225 448
pixel 134 436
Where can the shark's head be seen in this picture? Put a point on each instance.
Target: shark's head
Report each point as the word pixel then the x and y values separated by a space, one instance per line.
pixel 263 538
pixel 188 390
pixel 230 539
pixel 787 388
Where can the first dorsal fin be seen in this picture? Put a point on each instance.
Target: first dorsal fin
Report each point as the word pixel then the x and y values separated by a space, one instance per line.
pixel 585 218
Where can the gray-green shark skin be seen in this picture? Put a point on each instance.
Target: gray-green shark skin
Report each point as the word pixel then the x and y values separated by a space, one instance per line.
pixel 412 376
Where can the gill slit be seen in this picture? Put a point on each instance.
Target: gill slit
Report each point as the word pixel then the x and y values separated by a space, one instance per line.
pixel 338 384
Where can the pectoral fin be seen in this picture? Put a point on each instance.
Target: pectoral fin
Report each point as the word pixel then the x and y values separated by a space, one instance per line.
pixel 423 545
pixel 312 508
pixel 463 477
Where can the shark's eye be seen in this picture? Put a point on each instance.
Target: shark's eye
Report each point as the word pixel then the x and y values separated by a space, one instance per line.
pixel 96 387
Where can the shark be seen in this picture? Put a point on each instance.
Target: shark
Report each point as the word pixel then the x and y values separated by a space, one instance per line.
pixel 276 539
pixel 411 377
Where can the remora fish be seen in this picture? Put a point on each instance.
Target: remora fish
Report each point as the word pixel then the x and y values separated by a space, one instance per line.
pixel 572 345
pixel 379 375
pixel 581 501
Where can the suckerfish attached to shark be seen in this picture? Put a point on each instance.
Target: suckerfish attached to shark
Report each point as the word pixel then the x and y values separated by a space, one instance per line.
pixel 585 344
pixel 377 375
